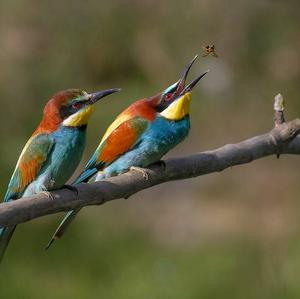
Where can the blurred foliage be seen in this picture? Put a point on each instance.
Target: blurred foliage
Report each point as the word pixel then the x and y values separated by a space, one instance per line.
pixel 229 235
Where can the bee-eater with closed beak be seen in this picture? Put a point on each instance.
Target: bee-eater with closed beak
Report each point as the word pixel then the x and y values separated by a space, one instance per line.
pixel 140 136
pixel 54 150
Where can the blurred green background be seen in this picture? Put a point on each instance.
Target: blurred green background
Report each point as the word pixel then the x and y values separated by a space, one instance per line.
pixel 233 234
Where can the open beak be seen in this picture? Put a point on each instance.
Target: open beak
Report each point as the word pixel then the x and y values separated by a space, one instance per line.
pixel 96 96
pixel 189 87
pixel 180 84
pixel 184 74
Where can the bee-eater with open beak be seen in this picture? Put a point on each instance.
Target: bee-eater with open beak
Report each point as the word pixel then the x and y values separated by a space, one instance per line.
pixel 54 150
pixel 140 136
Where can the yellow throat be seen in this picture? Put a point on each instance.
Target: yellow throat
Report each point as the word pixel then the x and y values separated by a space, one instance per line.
pixel 80 118
pixel 179 108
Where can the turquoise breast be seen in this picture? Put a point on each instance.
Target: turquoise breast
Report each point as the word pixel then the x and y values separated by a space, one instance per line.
pixel 68 151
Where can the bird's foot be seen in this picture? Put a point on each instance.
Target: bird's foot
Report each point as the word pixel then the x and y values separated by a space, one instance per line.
pixel 71 188
pixel 142 171
pixel 48 194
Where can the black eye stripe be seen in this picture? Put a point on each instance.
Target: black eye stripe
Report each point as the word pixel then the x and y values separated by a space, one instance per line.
pixel 165 101
pixel 66 111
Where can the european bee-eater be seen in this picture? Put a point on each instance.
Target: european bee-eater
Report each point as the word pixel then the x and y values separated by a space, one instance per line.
pixel 140 136
pixel 54 150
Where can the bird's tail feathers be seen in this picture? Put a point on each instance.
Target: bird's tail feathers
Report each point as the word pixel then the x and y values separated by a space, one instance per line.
pixel 5 236
pixel 85 176
pixel 69 217
pixel 63 226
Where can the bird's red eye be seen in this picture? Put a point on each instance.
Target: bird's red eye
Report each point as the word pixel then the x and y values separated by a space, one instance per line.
pixel 168 96
pixel 76 105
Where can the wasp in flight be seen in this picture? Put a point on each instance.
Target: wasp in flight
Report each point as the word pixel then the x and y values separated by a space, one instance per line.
pixel 209 49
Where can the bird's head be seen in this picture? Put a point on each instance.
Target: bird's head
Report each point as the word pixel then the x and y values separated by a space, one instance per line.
pixel 71 108
pixel 174 101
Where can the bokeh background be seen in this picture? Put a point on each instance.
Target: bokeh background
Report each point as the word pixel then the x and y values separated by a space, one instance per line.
pixel 233 234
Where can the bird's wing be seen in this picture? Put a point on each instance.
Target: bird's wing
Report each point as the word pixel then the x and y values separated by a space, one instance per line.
pixel 31 160
pixel 120 137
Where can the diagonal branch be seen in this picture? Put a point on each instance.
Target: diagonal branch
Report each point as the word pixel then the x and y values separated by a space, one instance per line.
pixel 283 139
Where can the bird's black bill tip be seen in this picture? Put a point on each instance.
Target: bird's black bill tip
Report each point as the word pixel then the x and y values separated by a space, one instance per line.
pixel 184 74
pixel 94 97
pixel 194 82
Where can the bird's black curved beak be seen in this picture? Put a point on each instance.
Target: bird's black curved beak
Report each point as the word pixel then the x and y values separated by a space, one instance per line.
pixel 96 96
pixel 184 74
pixel 189 87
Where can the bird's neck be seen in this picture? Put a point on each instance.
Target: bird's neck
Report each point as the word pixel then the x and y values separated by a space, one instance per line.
pixel 77 128
pixel 143 108
pixel 48 124
pixel 79 118
pixel 179 109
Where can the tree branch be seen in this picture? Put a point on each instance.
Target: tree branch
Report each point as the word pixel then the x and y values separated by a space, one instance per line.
pixel 283 139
